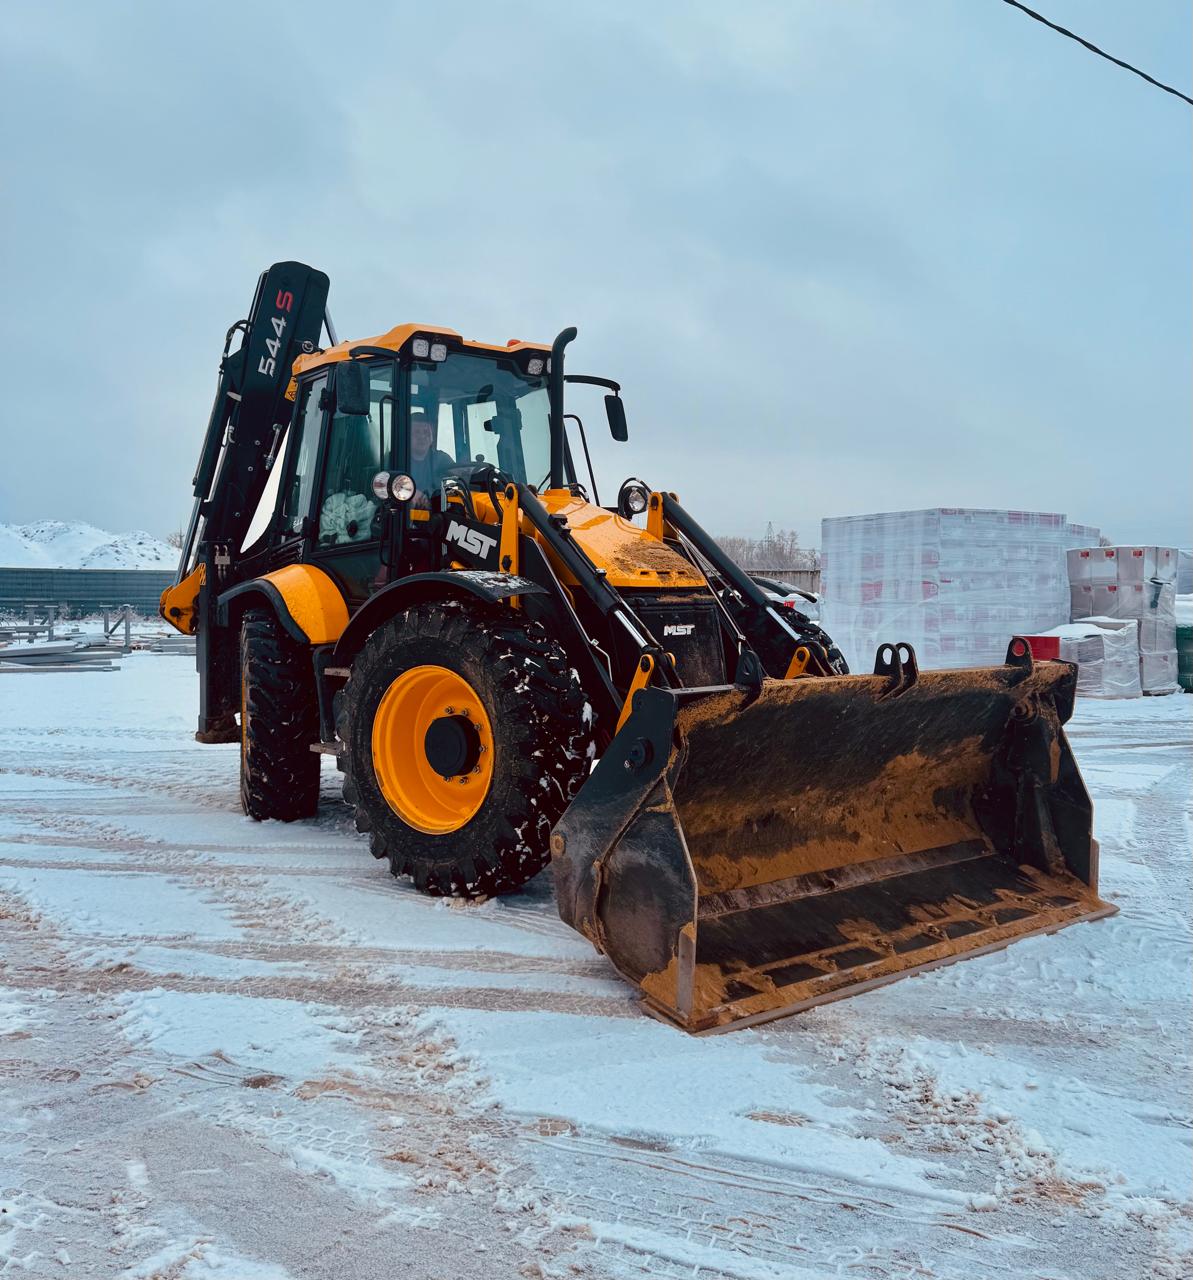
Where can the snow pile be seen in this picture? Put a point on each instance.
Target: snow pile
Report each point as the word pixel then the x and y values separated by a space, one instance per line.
pixel 133 550
pixel 15 1016
pixel 261 1034
pixel 72 544
pixel 1036 1125
pixel 637 1077
pixel 198 1259
pixel 145 903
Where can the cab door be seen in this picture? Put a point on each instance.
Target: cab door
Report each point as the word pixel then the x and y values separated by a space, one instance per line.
pixel 293 519
pixel 347 519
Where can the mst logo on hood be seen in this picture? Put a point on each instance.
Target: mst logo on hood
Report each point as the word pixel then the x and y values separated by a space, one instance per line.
pixel 678 628
pixel 476 540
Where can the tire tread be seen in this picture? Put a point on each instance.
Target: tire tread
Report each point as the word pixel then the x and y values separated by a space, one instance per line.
pixel 279 773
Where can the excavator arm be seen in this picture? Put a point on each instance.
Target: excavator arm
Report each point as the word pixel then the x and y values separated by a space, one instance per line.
pixel 253 404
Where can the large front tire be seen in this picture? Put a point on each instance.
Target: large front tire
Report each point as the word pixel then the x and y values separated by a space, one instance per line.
pixel 279 722
pixel 465 736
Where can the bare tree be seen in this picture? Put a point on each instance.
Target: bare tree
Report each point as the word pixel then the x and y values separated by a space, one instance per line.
pixel 777 549
pixel 740 550
pixel 174 539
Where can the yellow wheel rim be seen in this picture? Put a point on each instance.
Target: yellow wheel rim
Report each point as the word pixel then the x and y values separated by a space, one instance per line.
pixel 432 789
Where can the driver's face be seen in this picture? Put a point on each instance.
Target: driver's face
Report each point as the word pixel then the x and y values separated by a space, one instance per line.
pixel 420 437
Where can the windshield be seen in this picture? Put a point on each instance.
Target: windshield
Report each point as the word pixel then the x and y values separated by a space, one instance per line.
pixel 482 409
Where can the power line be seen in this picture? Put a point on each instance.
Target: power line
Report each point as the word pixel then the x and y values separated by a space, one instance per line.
pixel 1093 48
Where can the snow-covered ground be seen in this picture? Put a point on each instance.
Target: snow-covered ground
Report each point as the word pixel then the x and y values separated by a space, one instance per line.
pixel 72 544
pixel 243 1051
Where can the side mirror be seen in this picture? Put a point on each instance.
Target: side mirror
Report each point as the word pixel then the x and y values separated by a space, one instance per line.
pixel 352 388
pixel 615 411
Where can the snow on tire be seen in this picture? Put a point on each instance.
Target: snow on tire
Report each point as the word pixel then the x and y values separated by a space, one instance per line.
pixel 541 736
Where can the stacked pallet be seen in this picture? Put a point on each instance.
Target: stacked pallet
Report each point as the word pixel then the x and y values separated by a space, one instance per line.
pixel 184 645
pixel 59 655
pixel 1119 584
pixel 1107 656
pixel 954 582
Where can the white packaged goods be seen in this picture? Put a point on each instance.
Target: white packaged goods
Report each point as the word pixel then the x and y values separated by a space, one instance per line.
pixel 1080 569
pixel 956 583
pixel 1161 564
pixel 1184 573
pixel 1134 563
pixel 1137 583
pixel 1081 599
pixel 1157 672
pixel 1107 657
pixel 1157 635
pixel 1103 566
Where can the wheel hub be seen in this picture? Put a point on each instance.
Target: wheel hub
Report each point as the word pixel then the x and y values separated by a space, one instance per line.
pixel 452 746
pixel 432 745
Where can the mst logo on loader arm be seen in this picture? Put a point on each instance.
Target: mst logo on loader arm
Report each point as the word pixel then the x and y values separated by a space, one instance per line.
pixel 475 539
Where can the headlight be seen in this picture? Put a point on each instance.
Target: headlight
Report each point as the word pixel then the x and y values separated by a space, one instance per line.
pixel 402 487
pixel 535 366
pixel 420 348
pixel 438 350
pixel 381 486
pixel 633 499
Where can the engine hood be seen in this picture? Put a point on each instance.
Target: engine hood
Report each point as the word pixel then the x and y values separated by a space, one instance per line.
pixel 630 556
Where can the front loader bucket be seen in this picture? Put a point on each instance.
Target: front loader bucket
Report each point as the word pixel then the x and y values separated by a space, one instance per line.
pixel 745 853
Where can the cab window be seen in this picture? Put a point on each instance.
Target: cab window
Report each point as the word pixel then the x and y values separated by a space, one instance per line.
pixel 358 446
pixel 485 409
pixel 302 475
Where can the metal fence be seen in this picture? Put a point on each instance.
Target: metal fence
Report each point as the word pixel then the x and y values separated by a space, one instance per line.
pixel 83 590
pixel 89 590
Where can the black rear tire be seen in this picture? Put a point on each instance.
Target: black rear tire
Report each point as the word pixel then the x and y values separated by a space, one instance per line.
pixel 542 745
pixel 279 721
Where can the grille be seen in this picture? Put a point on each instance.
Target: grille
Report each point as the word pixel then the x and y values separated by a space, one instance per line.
pixel 687 627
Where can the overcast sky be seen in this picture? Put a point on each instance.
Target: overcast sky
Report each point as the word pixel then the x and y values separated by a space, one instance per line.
pixel 843 257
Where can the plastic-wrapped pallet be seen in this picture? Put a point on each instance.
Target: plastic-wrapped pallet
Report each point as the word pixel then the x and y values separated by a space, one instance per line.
pixel 1138 583
pixel 1184 573
pixel 956 583
pixel 1159 672
pixel 1107 657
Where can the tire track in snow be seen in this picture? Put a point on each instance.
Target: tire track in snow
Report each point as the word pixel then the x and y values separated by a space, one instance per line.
pixel 231 1142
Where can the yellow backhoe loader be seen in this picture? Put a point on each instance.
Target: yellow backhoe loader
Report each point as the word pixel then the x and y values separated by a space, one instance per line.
pixel 393 558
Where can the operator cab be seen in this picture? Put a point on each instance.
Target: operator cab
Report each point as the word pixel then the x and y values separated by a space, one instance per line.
pixel 413 402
